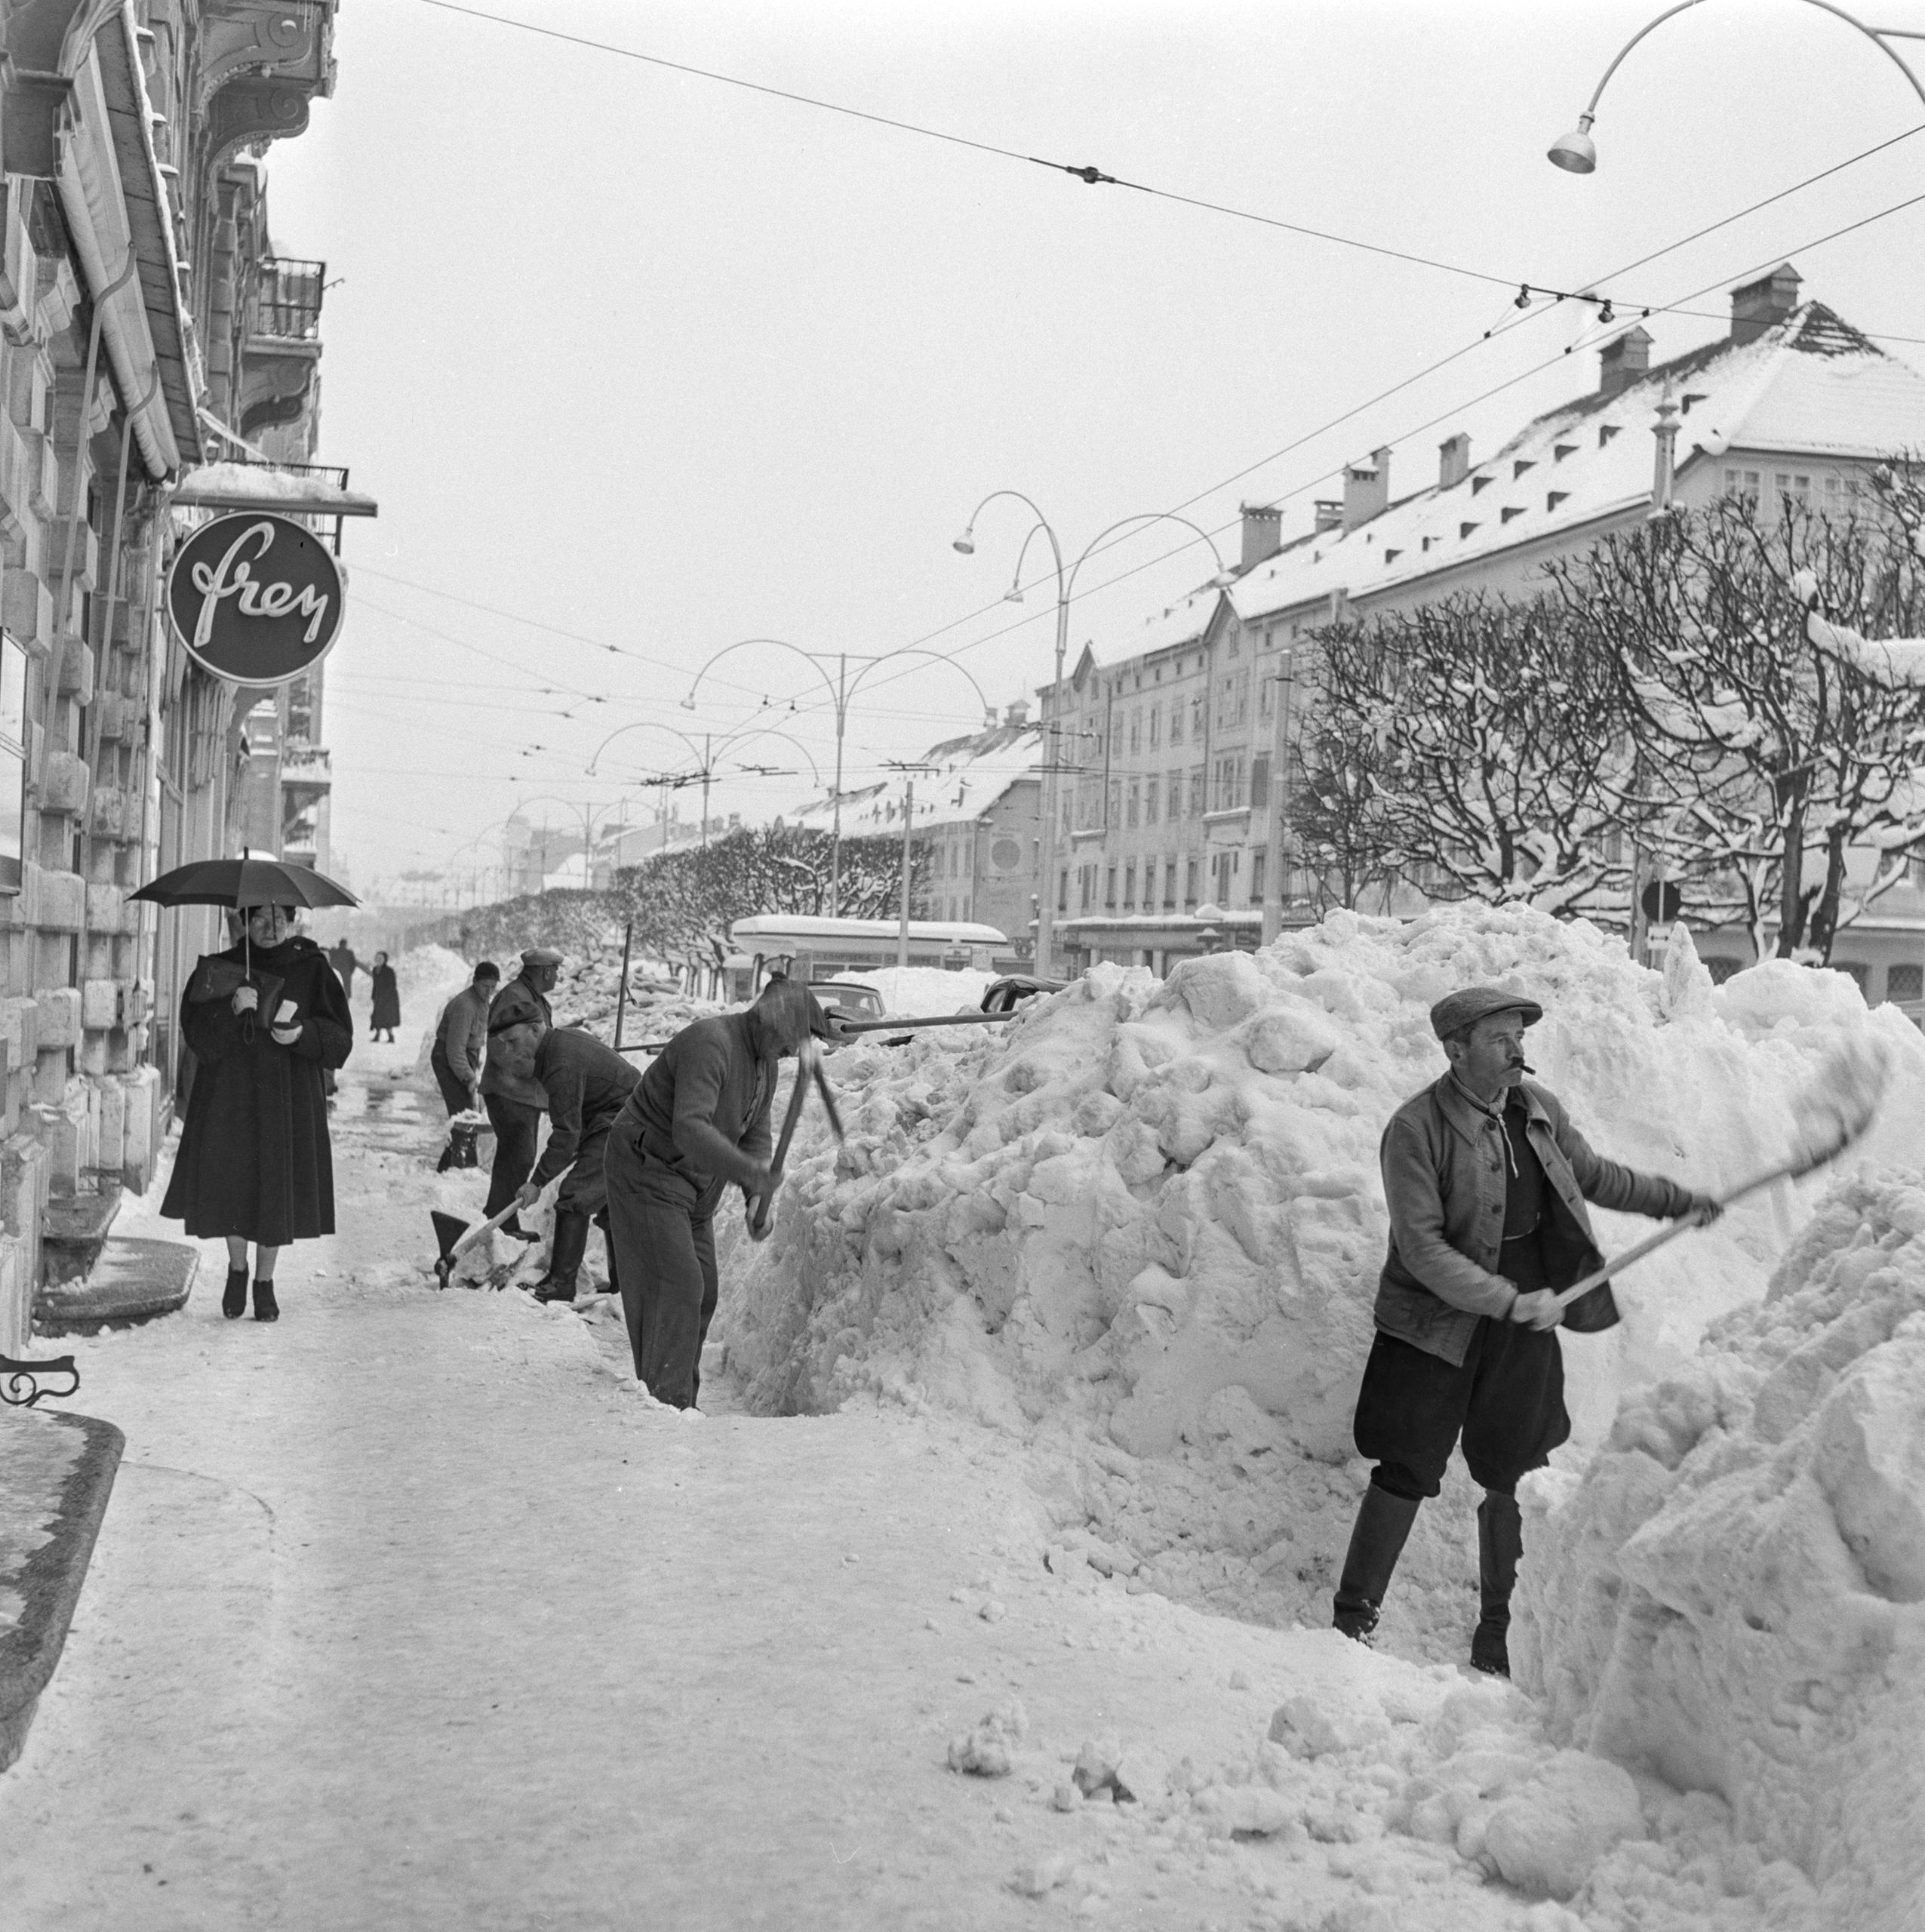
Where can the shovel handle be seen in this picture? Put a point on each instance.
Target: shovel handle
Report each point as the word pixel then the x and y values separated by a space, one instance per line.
pixel 464 1242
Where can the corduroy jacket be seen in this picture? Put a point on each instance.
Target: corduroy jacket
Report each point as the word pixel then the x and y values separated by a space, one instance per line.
pixel 1443 1168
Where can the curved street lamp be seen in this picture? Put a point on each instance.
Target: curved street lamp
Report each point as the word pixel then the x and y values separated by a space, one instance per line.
pixel 587 813
pixel 1065 589
pixel 841 689
pixel 1577 153
pixel 705 767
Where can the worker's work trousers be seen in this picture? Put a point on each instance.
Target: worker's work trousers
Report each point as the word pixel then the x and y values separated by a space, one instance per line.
pixel 456 1094
pixel 584 1189
pixel 517 1128
pixel 1507 1402
pixel 664 1250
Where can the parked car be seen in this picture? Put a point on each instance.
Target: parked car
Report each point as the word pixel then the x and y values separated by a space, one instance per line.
pixel 1006 995
pixel 843 999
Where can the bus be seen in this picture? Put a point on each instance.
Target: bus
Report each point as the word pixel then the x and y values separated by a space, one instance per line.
pixel 817 949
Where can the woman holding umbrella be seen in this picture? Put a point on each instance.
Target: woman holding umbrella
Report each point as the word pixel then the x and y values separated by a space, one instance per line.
pixel 264 1019
pixel 386 1014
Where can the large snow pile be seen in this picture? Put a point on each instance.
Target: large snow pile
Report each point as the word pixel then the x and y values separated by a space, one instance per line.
pixel 1142 1225
pixel 1732 1594
pixel 920 991
pixel 589 986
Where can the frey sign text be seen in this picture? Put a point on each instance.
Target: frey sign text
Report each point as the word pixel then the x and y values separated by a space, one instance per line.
pixel 255 598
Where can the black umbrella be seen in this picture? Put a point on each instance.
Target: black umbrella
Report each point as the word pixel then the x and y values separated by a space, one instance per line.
pixel 244 882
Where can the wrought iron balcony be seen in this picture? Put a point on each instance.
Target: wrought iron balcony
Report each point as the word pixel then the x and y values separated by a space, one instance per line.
pixel 286 302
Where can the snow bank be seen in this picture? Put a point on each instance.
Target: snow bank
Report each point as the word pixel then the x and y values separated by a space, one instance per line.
pixel 589 985
pixel 1142 1226
pixel 921 991
pixel 1732 1594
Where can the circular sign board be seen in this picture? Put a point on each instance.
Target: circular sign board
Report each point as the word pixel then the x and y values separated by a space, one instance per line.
pixel 255 598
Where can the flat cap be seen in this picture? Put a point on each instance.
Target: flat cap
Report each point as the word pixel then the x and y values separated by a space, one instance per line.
pixel 541 955
pixel 1456 1011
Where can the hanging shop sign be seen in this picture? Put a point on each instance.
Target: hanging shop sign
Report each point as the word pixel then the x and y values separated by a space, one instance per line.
pixel 255 598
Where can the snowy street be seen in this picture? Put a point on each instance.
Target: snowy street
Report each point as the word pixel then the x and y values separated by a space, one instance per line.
pixel 408 1611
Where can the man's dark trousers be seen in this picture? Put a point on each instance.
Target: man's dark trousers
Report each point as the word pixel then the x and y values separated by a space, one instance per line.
pixel 663 1251
pixel 517 1129
pixel 583 1198
pixel 456 1094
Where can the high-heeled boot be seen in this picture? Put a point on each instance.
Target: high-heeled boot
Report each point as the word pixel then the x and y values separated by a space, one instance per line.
pixel 267 1308
pixel 234 1297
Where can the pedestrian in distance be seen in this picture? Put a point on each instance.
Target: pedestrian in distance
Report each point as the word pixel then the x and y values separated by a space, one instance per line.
pixel 340 956
pixel 515 1103
pixel 1486 1179
pixel 697 1121
pixel 461 1041
pixel 587 1085
pixel 386 1016
pixel 255 1165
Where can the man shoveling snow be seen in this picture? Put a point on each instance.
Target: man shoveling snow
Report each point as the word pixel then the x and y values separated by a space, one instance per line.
pixel 1486 1180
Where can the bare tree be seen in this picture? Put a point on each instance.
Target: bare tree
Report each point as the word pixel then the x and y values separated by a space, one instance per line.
pixel 1344 846
pixel 1490 743
pixel 1764 764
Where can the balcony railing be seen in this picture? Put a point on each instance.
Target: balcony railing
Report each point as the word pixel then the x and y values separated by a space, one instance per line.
pixel 287 298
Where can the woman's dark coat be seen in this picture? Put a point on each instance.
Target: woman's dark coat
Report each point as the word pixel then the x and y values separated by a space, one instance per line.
pixel 254 1158
pixel 387 999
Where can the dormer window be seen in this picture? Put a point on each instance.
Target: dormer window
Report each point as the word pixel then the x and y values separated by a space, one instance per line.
pixel 1522 464
pixel 1509 511
pixel 1560 451
pixel 1606 431
pixel 1392 556
pixel 1690 397
pixel 1553 498
pixel 1464 530
pixel 1478 483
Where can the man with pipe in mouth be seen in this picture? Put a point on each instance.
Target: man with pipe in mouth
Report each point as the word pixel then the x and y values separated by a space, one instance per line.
pixel 1486 1180
pixel 586 1085
pixel 697 1121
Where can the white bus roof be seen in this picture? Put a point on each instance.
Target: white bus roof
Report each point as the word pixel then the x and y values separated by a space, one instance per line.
pixel 752 935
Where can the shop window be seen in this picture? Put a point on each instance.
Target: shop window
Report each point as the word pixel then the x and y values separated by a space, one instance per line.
pixel 1721 969
pixel 13 761
pixel 1904 982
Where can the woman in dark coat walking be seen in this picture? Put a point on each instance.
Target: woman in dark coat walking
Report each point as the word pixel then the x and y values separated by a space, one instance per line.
pixel 387 1016
pixel 254 1164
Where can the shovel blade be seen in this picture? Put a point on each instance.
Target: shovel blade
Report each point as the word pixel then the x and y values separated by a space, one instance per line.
pixel 447 1231
pixel 1593 1312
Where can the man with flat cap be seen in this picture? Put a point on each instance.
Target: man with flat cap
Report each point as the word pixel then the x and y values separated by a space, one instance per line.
pixel 515 1101
pixel 698 1121
pixel 585 1085
pixel 1486 1180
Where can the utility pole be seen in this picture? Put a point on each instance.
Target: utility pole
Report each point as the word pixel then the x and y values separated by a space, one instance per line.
pixel 908 820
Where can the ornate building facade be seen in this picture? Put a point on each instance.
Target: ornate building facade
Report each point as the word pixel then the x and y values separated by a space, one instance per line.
pixel 153 350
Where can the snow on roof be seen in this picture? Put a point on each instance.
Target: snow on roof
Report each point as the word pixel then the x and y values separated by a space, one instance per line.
pixel 259 486
pixel 1811 385
pixel 799 926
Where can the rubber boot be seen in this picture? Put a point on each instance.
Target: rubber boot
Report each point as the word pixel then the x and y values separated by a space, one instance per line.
pixel 267 1308
pixel 564 1258
pixel 234 1296
pixel 1383 1524
pixel 1500 1543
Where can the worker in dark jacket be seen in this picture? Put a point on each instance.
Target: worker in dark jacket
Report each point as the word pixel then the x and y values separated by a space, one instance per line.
pixel 1486 1180
pixel 587 1084
pixel 515 1106
pixel 697 1121
pixel 461 1039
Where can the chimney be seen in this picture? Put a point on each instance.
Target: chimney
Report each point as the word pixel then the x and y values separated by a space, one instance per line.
pixel 1018 714
pixel 1327 514
pixel 1453 460
pixel 1366 488
pixel 1262 534
pixel 1762 304
pixel 1623 361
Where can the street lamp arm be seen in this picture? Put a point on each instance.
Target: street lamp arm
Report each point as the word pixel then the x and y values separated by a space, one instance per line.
pixel 639 725
pixel 963 544
pixel 916 651
pixel 1159 516
pixel 770 731
pixel 1577 153
pixel 743 643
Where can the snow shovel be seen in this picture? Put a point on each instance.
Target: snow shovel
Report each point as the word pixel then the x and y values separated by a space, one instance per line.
pixel 453 1237
pixel 1840 1103
pixel 808 1073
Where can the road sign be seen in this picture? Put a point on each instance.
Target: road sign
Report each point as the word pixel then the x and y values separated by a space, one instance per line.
pixel 1662 900
pixel 255 598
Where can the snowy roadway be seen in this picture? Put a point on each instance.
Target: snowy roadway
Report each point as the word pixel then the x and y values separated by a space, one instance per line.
pixel 408 1612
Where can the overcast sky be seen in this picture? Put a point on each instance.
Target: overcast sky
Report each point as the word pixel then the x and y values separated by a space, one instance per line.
pixel 665 364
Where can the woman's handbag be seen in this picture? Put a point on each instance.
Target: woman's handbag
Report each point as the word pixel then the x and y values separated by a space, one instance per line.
pixel 214 978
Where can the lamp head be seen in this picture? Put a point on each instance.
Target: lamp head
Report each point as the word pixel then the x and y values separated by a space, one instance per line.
pixel 688 702
pixel 1576 152
pixel 966 543
pixel 1013 595
pixel 1223 581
